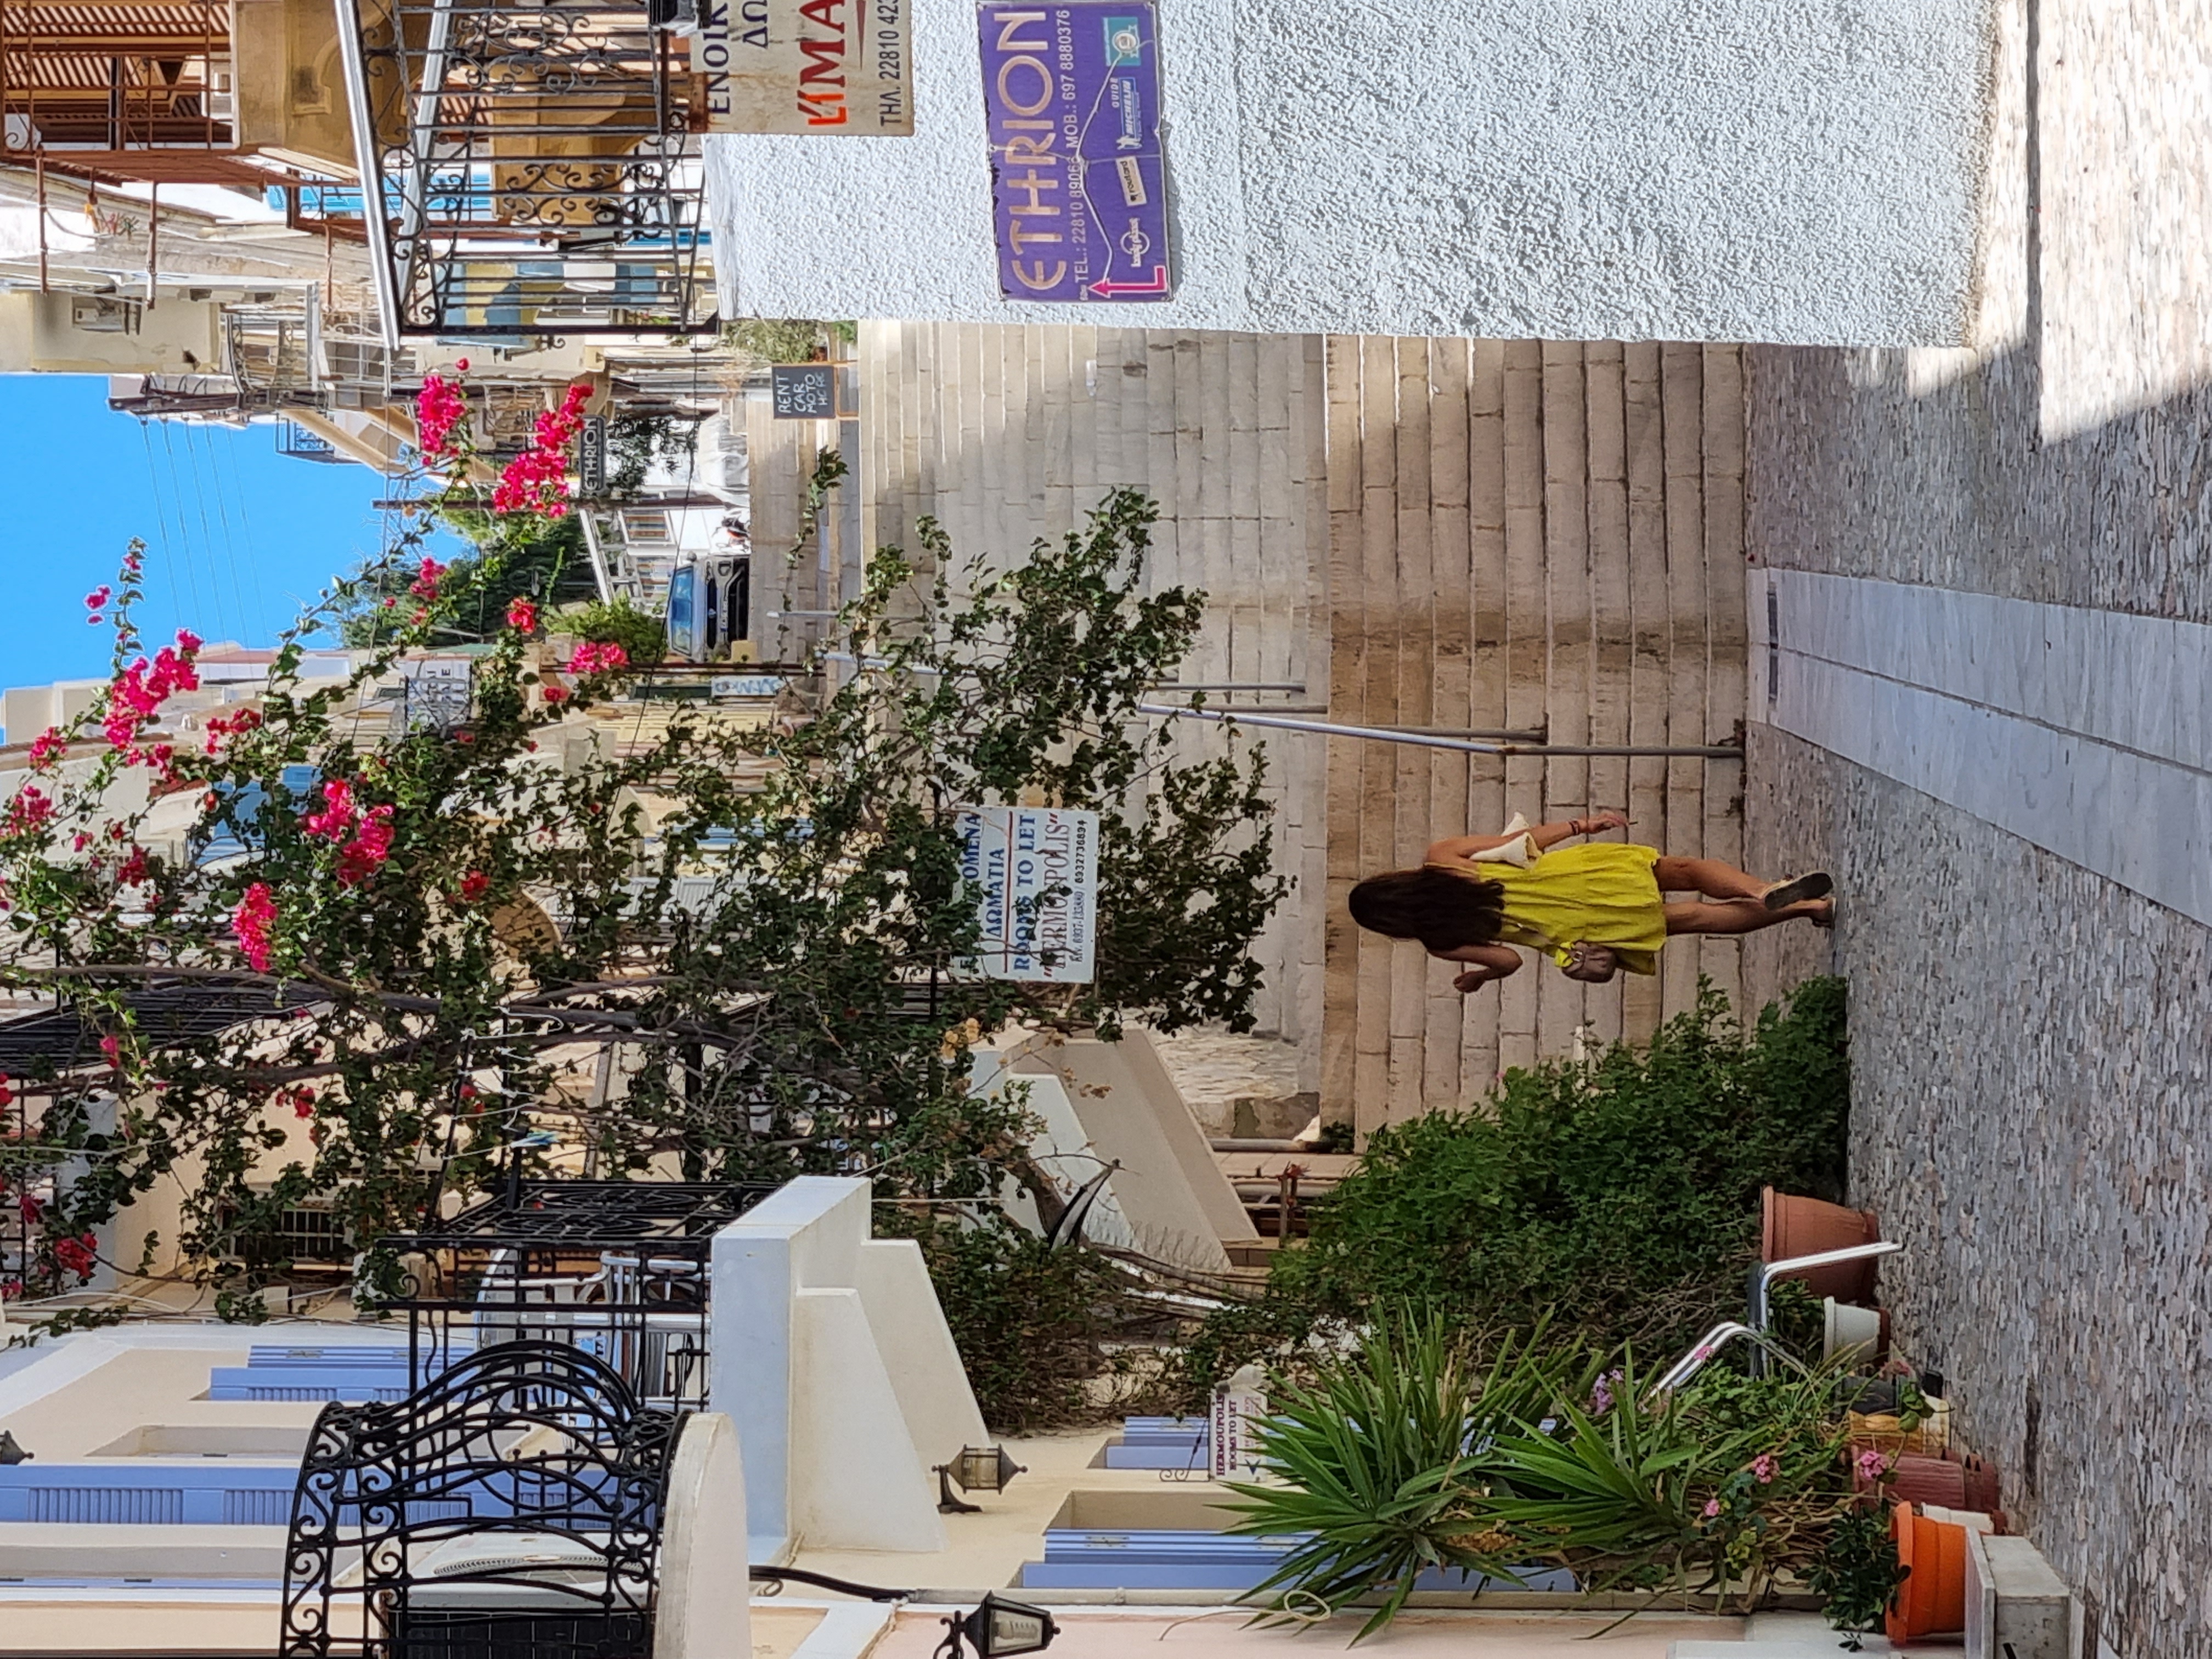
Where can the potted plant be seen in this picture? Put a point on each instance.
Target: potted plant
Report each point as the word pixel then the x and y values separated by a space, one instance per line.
pixel 1857 1574
pixel 1392 1460
pixel 1791 1226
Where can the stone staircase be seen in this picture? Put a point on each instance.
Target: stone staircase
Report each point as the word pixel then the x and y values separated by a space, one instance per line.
pixel 1452 534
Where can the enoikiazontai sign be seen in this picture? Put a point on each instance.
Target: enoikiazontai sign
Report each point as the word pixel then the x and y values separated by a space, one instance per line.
pixel 834 69
pixel 1035 871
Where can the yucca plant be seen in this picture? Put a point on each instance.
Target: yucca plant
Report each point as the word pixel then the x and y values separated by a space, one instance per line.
pixel 1401 1457
pixel 1378 1458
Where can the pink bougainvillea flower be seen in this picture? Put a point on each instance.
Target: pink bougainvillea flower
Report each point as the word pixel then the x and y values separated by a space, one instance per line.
pixel 521 615
pixel 303 1102
pixel 596 658
pixel 46 748
pixel 335 821
pixel 537 480
pixel 362 857
pixel 133 871
pixel 425 585
pixel 557 693
pixel 112 1047
pixel 97 599
pixel 474 886
pixel 439 409
pixel 136 694
pixel 251 923
pixel 30 810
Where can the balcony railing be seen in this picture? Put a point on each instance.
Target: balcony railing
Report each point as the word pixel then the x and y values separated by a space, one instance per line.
pixel 138 91
pixel 535 171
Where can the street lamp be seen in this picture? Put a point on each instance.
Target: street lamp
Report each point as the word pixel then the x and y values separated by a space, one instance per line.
pixel 996 1629
pixel 978 1468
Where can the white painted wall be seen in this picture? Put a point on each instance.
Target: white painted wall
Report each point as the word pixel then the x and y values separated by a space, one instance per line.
pixel 1774 170
pixel 832 1358
pixel 705 1605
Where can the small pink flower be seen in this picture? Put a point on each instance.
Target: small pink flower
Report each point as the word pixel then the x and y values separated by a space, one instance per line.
pixel 97 599
pixel 251 921
pixel 425 585
pixel 335 821
pixel 112 1047
pixel 1712 1509
pixel 592 657
pixel 522 614
pixel 1873 1466
pixel 1765 1466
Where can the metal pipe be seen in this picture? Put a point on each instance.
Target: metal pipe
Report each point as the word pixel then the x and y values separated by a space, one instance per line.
pixel 44 286
pixel 366 148
pixel 1706 1347
pixel 1424 740
pixel 1230 685
pixel 1763 1282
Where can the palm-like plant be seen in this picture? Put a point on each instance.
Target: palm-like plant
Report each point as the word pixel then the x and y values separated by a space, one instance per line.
pixel 1379 1458
pixel 1401 1458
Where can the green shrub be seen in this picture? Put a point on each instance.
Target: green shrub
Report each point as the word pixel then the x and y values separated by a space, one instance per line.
pixel 1030 1322
pixel 1618 1197
pixel 644 639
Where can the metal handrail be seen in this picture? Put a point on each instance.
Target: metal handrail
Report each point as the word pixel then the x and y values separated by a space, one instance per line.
pixel 1426 740
pixel 1707 1346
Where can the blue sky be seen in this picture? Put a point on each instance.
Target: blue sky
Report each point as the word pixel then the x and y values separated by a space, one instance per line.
pixel 237 536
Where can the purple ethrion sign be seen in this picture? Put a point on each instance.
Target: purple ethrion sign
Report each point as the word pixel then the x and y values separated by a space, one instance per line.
pixel 1078 181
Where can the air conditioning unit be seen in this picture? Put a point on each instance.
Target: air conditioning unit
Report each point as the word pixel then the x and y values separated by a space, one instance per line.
pixel 93 313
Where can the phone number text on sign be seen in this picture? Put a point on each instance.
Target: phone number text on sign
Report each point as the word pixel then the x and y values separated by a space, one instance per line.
pixel 1079 178
pixel 1034 871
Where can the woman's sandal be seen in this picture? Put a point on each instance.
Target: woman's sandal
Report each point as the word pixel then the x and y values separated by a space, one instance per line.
pixel 1825 920
pixel 1814 883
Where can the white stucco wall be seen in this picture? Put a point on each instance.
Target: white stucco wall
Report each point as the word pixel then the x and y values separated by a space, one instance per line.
pixel 828 1392
pixel 1799 171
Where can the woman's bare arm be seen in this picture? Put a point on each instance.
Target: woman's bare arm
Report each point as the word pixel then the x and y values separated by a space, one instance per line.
pixel 1545 835
pixel 1489 961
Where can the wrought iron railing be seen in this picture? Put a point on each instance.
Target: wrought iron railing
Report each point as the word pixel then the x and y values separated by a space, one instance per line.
pixel 513 1504
pixel 110 81
pixel 534 169
pixel 615 1269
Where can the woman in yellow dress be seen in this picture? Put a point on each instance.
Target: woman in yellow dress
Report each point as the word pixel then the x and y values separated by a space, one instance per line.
pixel 1593 909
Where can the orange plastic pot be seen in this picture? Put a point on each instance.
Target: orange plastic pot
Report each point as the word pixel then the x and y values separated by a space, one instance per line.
pixel 1932 1601
pixel 1791 1226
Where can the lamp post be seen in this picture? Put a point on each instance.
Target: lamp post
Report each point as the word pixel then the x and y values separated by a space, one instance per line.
pixel 978 1468
pixel 997 1628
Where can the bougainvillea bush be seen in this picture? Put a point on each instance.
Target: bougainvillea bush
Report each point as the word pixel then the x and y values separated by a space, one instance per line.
pixel 430 946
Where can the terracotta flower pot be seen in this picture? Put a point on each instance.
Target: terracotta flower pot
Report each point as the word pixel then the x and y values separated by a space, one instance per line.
pixel 1932 1601
pixel 1956 1482
pixel 1791 1226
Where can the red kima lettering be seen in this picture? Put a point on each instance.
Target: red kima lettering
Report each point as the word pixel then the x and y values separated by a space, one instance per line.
pixel 822 81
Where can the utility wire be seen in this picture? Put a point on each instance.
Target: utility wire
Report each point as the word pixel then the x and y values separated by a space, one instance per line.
pixel 229 543
pixel 169 558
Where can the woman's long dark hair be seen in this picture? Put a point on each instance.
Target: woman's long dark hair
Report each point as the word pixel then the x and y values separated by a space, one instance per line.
pixel 1442 910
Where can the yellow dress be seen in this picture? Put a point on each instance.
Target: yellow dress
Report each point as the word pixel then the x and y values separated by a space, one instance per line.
pixel 1599 893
